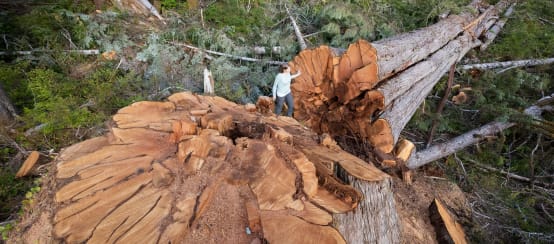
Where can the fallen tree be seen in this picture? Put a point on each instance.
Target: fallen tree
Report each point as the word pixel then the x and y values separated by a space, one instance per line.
pixel 175 174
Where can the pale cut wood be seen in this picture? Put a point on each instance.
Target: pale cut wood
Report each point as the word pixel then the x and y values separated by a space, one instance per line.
pixel 290 229
pixel 314 214
pixel 28 164
pixel 447 228
pixel 404 149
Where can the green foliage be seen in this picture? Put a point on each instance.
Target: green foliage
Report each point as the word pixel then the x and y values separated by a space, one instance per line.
pixel 238 18
pixel 11 192
pixel 528 34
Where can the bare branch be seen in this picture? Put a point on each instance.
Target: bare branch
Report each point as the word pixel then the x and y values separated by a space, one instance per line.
pixel 229 55
pixel 509 64
pixel 297 31
pixel 458 143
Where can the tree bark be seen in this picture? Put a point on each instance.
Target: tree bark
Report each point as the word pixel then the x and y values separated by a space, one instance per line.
pixel 491 34
pixel 7 111
pixel 375 220
pixel 297 31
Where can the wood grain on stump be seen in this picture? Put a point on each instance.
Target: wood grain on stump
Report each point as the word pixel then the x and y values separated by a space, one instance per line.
pixel 167 173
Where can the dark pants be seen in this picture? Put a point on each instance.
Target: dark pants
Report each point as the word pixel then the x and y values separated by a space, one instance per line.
pixel 279 104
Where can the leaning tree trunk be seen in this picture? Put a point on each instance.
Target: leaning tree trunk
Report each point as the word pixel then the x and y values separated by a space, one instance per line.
pixel 198 169
pixel 7 112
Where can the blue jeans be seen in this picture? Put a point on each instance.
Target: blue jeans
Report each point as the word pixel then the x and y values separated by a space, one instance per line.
pixel 279 104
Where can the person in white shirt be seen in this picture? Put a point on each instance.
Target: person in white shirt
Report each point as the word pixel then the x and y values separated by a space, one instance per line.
pixel 281 89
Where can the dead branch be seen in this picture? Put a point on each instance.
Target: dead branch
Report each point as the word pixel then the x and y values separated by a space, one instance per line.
pixel 510 175
pixel 458 143
pixel 491 34
pixel 442 103
pixel 509 64
pixel 84 52
pixel 297 31
pixel 229 55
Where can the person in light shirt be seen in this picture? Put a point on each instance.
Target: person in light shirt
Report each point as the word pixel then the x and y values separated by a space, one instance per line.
pixel 281 90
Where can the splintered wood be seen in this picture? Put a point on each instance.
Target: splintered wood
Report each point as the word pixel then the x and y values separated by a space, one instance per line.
pixel 447 228
pixel 334 93
pixel 200 169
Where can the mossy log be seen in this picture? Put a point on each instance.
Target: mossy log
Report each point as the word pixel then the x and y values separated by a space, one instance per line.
pixel 166 173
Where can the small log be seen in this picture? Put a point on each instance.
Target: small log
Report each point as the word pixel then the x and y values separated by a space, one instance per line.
pixel 83 52
pixel 447 228
pixel 28 164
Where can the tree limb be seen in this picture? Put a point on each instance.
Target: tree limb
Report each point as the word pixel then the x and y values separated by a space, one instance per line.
pixel 442 103
pixel 511 175
pixel 458 143
pixel 297 31
pixel 84 52
pixel 514 64
pixel 491 34
pixel 229 55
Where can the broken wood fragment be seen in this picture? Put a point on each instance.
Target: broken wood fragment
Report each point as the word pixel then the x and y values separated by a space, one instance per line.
pixel 447 228
pixel 28 164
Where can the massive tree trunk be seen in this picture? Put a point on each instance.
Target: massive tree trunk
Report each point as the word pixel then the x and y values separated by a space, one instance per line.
pixel 371 90
pixel 200 169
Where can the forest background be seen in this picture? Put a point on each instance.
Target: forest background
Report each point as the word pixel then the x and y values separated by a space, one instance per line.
pixel 63 97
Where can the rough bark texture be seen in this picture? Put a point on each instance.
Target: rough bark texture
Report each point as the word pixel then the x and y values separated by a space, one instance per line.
pixel 7 112
pixel 200 169
pixel 381 225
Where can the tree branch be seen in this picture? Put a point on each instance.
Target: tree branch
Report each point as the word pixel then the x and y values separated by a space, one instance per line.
pixel 458 143
pixel 229 55
pixel 442 103
pixel 297 31
pixel 84 52
pixel 511 64
pixel 491 34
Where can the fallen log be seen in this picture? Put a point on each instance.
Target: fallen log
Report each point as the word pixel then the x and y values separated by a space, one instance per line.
pixel 371 90
pixel 168 173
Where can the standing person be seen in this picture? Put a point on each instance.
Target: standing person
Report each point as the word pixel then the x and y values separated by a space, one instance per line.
pixel 281 90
